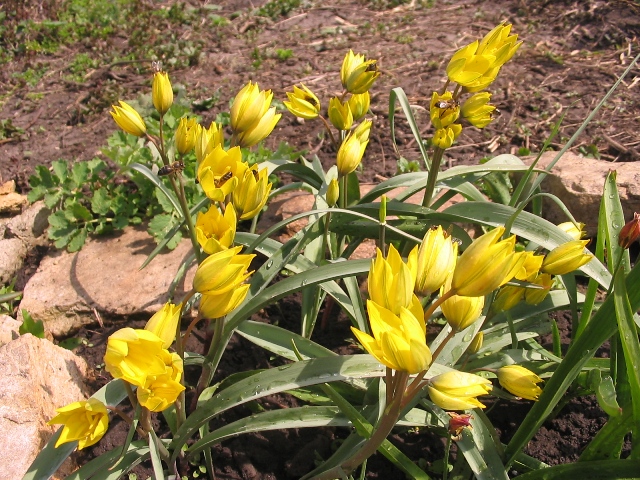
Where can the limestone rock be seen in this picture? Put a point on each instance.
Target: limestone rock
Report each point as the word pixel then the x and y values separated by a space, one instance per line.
pixel 579 181
pixel 12 202
pixel 12 254
pixel 30 225
pixel 9 329
pixel 104 276
pixel 36 377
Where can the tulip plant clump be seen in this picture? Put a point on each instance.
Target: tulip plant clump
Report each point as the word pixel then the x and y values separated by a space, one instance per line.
pixel 488 297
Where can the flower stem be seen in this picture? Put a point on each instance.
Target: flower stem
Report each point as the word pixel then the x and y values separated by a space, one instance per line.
pixel 433 176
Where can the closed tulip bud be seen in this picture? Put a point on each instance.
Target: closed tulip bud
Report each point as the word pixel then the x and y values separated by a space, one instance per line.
pixel 436 260
pixel 350 154
pixel 333 192
pixel 219 171
pixel 303 103
pixel 358 74
pixel 520 381
pixel 207 139
pixel 486 264
pixel 391 281
pixel 461 312
pixel 217 306
pixel 534 296
pixel 476 343
pixel 222 272
pixel 164 323
pixel 252 117
pixel 456 390
pixel 444 137
pixel 566 258
pixel 186 135
pixel 363 130
pixel 575 230
pixel 507 298
pixel 530 266
pixel 382 213
pixel 162 93
pixel 340 114
pixel 444 110
pixel 477 111
pixel 630 232
pixel 252 192
pixel 128 119
pixel 132 355
pixel 215 231
pixel 85 422
pixel 398 341
pixel 359 105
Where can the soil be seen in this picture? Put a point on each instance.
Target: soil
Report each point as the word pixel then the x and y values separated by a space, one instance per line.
pixel 573 52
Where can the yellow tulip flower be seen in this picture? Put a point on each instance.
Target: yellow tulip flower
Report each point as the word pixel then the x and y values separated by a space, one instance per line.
pixel 216 306
pixel 500 44
pixel 128 119
pixel 477 111
pixel 252 192
pixel 186 135
pixel 340 114
pixel 221 272
pixel 391 281
pixel 399 342
pixel 350 154
pixel 486 265
pixel 476 343
pixel 534 296
pixel 456 390
pixel 575 230
pixel 358 74
pixel 161 92
pixel 444 137
pixel 460 311
pixel 85 422
pixel 132 355
pixel 443 109
pixel 215 231
pixel 566 258
pixel 161 391
pixel 252 117
pixel 520 381
pixel 436 260
pixel 207 139
pixel 359 105
pixel 164 323
pixel 333 192
pixel 303 103
pixel 363 130
pixel 507 298
pixel 218 172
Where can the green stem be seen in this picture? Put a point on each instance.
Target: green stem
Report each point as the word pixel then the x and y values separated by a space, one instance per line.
pixel 449 336
pixel 210 363
pixel 433 176
pixel 178 188
pixel 437 303
pixel 445 460
pixel 328 127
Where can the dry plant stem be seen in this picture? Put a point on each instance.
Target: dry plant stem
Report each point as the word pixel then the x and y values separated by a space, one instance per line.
pixel 328 127
pixel 132 397
pixel 433 176
pixel 126 418
pixel 437 303
pixel 382 430
pixel 449 336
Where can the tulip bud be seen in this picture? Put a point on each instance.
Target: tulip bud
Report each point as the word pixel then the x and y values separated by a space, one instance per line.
pixel 359 105
pixel 457 423
pixel 350 154
pixel 333 192
pixel 461 312
pixel 363 130
pixel 340 114
pixel 630 232
pixel 507 298
pixel 164 323
pixel 534 296
pixel 382 214
pixel 477 111
pixel 303 103
pixel 358 75
pixel 444 137
pixel 436 260
pixel 128 119
pixel 162 93
pixel 566 258
pixel 186 135
pixel 207 139
pixel 252 117
pixel 476 343
pixel 575 230
pixel 520 381
pixel 252 192
pixel 456 390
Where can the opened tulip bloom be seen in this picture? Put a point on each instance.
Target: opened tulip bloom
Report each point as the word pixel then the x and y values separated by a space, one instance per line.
pixel 456 390
pixel 162 92
pixel 398 341
pixel 128 119
pixel 252 192
pixel 436 260
pixel 132 355
pixel 161 391
pixel 86 422
pixel 303 103
pixel 164 323
pixel 218 172
pixel 566 258
pixel 486 264
pixel 358 74
pixel 520 381
pixel 576 231
pixel 216 231
pixel 443 109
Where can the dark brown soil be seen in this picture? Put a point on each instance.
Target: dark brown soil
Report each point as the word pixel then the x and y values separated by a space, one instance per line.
pixel 573 51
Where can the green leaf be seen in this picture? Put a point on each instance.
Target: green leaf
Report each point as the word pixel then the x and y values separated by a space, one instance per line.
pixel 100 202
pixel 29 325
pixel 36 193
pixel 61 170
pixel 51 199
pixel 80 173
pixel 43 177
pixel 76 240
pixel 596 470
pixel 81 212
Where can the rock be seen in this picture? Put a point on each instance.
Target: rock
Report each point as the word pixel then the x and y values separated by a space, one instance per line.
pixel 8 187
pixel 36 377
pixel 12 254
pixel 104 276
pixel 579 182
pixel 9 329
pixel 30 225
pixel 12 202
